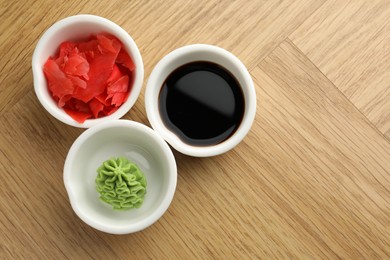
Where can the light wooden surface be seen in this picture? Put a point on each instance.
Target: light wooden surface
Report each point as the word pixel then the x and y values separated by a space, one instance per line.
pixel 311 180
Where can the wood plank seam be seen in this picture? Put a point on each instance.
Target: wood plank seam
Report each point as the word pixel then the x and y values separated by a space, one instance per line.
pixel 261 57
pixel 341 93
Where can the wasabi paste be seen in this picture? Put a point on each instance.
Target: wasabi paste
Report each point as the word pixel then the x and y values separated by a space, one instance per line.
pixel 121 184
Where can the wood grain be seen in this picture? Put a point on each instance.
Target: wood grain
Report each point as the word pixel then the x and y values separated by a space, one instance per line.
pixel 158 27
pixel 310 181
pixel 337 175
pixel 349 41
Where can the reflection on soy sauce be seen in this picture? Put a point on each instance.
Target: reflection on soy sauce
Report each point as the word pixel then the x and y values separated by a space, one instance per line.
pixel 202 103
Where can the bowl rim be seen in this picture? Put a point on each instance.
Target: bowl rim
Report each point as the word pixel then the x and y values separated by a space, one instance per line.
pixel 40 81
pixel 154 84
pixel 157 212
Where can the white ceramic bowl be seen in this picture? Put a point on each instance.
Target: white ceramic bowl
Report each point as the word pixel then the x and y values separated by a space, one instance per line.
pixel 75 28
pixel 191 53
pixel 141 145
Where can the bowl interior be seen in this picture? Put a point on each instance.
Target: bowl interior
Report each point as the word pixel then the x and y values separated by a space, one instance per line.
pixel 76 28
pixel 139 147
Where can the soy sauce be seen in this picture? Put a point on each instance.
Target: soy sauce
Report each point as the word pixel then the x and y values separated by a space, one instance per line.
pixel 202 103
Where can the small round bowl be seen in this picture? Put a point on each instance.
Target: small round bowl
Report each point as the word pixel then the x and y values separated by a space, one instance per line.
pixel 192 53
pixel 80 27
pixel 139 144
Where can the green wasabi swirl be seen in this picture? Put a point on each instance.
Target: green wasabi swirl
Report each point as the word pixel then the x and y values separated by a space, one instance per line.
pixel 121 184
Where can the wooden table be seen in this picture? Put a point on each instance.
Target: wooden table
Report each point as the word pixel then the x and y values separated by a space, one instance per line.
pixel 311 180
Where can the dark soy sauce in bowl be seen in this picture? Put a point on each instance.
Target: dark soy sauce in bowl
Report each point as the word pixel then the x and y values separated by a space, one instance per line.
pixel 202 103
